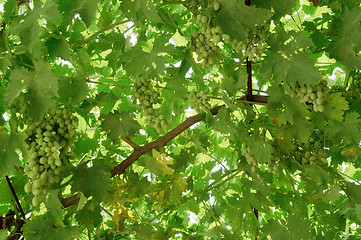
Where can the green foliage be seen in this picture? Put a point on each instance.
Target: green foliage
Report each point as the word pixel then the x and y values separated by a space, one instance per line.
pixel 195 119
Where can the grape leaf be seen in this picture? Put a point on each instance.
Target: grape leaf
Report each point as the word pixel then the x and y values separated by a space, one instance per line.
pixel 42 228
pixel 29 31
pixel 89 215
pixel 3 234
pixel 353 191
pixel 302 70
pixel 158 164
pixel 118 124
pixel 10 8
pixel 19 79
pixel 8 156
pixel 348 131
pixel 260 149
pixel 73 90
pixel 281 7
pixel 343 51
pixel 334 107
pixel 233 25
pixel 37 104
pixel 140 11
pixel 58 48
pixel 92 181
pixel 283 108
pixel 44 80
pixel 54 208
pixel 332 194
pixel 88 11
pixel 50 11
pixel 299 226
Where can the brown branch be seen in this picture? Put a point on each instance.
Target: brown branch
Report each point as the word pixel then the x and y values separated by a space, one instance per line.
pixel 249 81
pixel 130 142
pixel 162 141
pixel 119 169
pixel 15 196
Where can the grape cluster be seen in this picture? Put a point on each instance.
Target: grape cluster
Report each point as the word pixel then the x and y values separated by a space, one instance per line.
pixel 145 95
pixel 311 155
pixel 246 153
pixel 205 43
pixel 255 43
pixel 49 140
pixel 199 100
pixel 312 94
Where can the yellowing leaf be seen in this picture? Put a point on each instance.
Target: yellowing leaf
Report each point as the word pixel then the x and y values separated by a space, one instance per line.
pixel 158 164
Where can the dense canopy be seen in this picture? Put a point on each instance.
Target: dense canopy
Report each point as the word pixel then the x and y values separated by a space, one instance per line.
pixel 180 119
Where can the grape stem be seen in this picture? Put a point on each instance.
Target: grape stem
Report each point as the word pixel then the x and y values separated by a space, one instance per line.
pixel 15 196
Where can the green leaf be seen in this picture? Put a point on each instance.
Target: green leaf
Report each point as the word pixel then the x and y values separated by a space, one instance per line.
pixel 118 124
pixel 10 8
pixel 348 131
pixel 302 69
pixel 9 159
pixel 299 226
pixel 20 79
pixel 29 31
pixel 41 228
pixel 44 80
pixel 54 208
pixel 353 191
pixel 88 11
pixel 139 11
pixel 89 216
pixel 228 17
pixel 73 90
pixel 260 149
pixel 50 11
pixel 92 181
pixel 281 7
pixel 3 235
pixel 282 108
pixel 58 48
pixel 343 51
pixel 334 107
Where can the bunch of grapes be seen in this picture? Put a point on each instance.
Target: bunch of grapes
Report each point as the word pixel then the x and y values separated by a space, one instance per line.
pixel 255 43
pixel 199 100
pixel 311 94
pixel 145 95
pixel 246 153
pixel 49 141
pixel 306 154
pixel 205 42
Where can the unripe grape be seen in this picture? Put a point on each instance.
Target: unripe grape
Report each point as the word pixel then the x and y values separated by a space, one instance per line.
pixel 36 201
pixel 28 187
pixel 216 6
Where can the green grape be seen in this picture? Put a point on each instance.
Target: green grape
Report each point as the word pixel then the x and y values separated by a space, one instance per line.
pixel 45 149
pixel 199 101
pixel 311 94
pixel 28 187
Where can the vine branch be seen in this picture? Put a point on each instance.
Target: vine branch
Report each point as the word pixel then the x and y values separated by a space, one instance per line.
pixel 15 196
pixel 162 141
pixel 105 28
pixel 249 69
